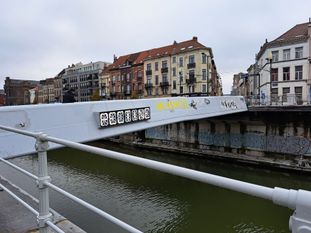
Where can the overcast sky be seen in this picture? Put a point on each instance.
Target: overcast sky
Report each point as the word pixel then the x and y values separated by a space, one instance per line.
pixel 38 38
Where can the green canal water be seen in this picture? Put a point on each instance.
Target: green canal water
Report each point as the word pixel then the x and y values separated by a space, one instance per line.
pixel 157 202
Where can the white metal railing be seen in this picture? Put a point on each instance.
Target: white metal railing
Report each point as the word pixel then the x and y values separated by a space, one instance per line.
pixel 298 200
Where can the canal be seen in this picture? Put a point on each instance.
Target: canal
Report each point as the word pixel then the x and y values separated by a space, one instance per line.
pixel 156 202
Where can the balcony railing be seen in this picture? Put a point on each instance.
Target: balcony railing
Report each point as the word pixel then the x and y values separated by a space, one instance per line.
pixel 191 65
pixel 127 91
pixel 164 70
pixel 148 72
pixel 139 78
pixel 191 80
pixel 164 84
pixel 148 85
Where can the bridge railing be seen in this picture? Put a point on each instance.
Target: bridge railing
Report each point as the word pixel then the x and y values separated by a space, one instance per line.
pixel 297 200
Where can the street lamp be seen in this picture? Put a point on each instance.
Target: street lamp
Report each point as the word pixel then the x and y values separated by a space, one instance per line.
pixel 269 59
pixel 207 72
pixel 180 77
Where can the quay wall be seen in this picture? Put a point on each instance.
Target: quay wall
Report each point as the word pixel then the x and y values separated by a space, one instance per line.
pixel 271 135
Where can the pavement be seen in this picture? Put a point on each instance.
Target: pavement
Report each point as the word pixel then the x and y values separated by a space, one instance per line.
pixel 15 218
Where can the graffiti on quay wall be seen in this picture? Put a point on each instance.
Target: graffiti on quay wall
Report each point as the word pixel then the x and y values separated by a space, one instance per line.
pixel 172 105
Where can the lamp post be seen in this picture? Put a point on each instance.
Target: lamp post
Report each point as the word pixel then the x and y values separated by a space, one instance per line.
pixel 207 73
pixel 180 77
pixel 269 59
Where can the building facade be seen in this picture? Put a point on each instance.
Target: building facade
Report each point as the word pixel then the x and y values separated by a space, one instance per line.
pixel 284 68
pixel 84 79
pixel 17 91
pixel 241 85
pixel 2 97
pixel 185 68
pixel 46 91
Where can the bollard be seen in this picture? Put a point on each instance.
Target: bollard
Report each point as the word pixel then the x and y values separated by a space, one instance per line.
pixel 44 213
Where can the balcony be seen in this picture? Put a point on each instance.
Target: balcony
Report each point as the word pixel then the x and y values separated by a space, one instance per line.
pixel 148 72
pixel 139 78
pixel 191 80
pixel 148 85
pixel 164 84
pixel 127 91
pixel 164 70
pixel 191 65
pixel 140 91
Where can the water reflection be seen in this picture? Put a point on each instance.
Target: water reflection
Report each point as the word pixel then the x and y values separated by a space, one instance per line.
pixel 156 202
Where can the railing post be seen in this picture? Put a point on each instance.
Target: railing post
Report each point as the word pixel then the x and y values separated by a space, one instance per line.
pixel 44 213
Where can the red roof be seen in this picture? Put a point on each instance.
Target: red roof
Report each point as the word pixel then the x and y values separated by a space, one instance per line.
pixel 175 48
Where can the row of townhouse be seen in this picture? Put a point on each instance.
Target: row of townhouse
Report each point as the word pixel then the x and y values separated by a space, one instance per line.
pixel 82 78
pixel 20 92
pixel 282 71
pixel 185 68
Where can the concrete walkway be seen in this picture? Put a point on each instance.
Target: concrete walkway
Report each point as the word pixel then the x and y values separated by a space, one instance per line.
pixel 15 218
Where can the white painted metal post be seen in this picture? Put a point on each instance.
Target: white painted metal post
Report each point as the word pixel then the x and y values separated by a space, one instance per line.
pixel 44 213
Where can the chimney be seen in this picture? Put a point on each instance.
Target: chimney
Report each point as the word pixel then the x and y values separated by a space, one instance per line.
pixel 114 57
pixel 195 38
pixel 174 43
pixel 266 41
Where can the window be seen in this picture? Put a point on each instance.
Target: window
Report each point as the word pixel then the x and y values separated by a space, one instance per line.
pixel 298 72
pixel 174 71
pixel 174 60
pixel 286 54
pixel 191 74
pixel 286 91
pixel 149 80
pixel 164 78
pixel 181 89
pixel 298 95
pixel 204 58
pixel 174 84
pixel 157 80
pixel 149 91
pixel 275 56
pixel 191 59
pixel 286 75
pixel 274 75
pixel 156 66
pixel 298 52
pixel 164 64
pixel 204 88
pixel 149 66
pixel 181 61
pixel 180 76
pixel 204 74
pixel 274 94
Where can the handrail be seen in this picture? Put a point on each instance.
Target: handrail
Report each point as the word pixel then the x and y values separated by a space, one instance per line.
pixel 297 200
pixel 19 169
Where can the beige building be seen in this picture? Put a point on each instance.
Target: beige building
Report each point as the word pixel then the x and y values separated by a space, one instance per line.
pixel 185 68
pixel 46 91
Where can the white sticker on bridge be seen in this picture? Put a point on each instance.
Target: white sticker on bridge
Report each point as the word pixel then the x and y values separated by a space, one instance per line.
pixel 122 117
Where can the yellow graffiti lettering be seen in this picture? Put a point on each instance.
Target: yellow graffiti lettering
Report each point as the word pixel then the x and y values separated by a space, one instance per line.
pixel 172 105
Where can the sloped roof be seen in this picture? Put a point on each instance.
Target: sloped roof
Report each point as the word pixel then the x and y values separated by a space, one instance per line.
pixel 175 48
pixel 296 34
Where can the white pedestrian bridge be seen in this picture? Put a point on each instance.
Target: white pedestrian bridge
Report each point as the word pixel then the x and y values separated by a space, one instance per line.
pixel 38 128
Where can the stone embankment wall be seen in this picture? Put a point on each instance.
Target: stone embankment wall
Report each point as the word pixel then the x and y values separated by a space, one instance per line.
pixel 279 137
